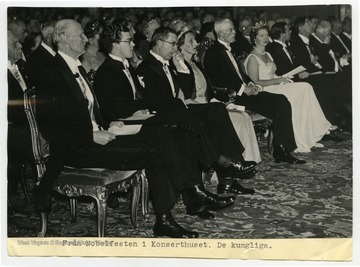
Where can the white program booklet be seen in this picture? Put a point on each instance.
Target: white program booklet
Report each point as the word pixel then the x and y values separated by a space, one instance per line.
pixel 125 129
pixel 295 71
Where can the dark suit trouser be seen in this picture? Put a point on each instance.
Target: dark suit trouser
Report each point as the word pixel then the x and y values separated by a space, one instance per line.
pixel 215 119
pixel 183 119
pixel 154 149
pixel 325 90
pixel 277 108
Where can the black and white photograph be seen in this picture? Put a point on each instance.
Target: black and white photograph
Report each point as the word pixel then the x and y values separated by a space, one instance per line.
pixel 175 125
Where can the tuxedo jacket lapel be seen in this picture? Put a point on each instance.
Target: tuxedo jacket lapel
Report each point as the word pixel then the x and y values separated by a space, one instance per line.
pixel 222 49
pixel 73 85
pixel 126 85
pixel 282 53
pixel 158 68
pixel 75 88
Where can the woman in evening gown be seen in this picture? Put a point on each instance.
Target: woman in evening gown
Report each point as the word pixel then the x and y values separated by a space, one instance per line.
pixel 308 119
pixel 240 119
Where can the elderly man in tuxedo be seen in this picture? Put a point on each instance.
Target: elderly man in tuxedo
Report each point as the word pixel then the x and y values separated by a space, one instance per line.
pixel 70 120
pixel 227 77
pixel 18 28
pixel 162 91
pixel 116 87
pixel 19 136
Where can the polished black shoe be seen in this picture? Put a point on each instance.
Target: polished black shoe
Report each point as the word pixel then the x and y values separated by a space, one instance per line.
pixel 232 186
pixel 248 175
pixel 332 137
pixel 197 199
pixel 236 169
pixel 281 155
pixel 221 198
pixel 289 159
pixel 166 225
pixel 252 164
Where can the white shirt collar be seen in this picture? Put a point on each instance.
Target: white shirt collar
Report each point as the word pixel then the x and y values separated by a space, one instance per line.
pixel 347 34
pixel 73 64
pixel 11 66
pixel 317 38
pixel 160 58
pixel 304 38
pixel 227 45
pixel 48 48
pixel 279 42
pixel 125 61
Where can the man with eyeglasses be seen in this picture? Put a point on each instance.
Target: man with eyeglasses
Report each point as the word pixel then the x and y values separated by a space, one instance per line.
pixel 147 30
pixel 70 119
pixel 117 89
pixel 163 91
pixel 18 28
pixel 242 45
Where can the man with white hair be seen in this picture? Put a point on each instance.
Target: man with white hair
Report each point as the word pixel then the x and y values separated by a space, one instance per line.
pixel 19 136
pixel 70 119
pixel 18 28
pixel 226 76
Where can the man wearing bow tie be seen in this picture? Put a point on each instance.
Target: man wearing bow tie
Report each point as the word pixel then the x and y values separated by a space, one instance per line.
pixel 71 121
pixel 315 56
pixel 226 75
pixel 163 91
pixel 19 135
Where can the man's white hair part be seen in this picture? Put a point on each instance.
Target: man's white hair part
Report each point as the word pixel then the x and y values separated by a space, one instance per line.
pixel 219 25
pixel 60 28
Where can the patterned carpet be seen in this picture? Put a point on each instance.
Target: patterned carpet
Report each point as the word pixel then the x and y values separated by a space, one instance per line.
pixel 291 201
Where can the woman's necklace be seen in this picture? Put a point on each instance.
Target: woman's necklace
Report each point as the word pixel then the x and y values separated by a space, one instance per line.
pixel 262 53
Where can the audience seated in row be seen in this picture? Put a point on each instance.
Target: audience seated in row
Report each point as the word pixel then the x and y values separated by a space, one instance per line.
pixel 189 75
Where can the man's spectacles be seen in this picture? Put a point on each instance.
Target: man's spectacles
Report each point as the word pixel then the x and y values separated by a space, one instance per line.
pixel 128 41
pixel 174 44
pixel 246 27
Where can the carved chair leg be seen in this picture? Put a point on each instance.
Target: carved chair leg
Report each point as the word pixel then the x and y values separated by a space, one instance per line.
pixel 144 195
pixel 73 209
pixel 101 201
pixel 135 204
pixel 43 223
pixel 23 183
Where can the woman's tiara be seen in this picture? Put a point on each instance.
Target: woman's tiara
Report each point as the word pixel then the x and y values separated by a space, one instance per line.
pixel 258 25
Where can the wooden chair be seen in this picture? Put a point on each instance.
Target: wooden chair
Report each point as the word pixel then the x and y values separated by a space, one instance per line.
pixel 77 182
pixel 99 184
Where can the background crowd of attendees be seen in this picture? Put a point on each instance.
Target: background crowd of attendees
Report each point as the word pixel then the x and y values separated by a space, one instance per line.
pixel 30 24
pixel 174 61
